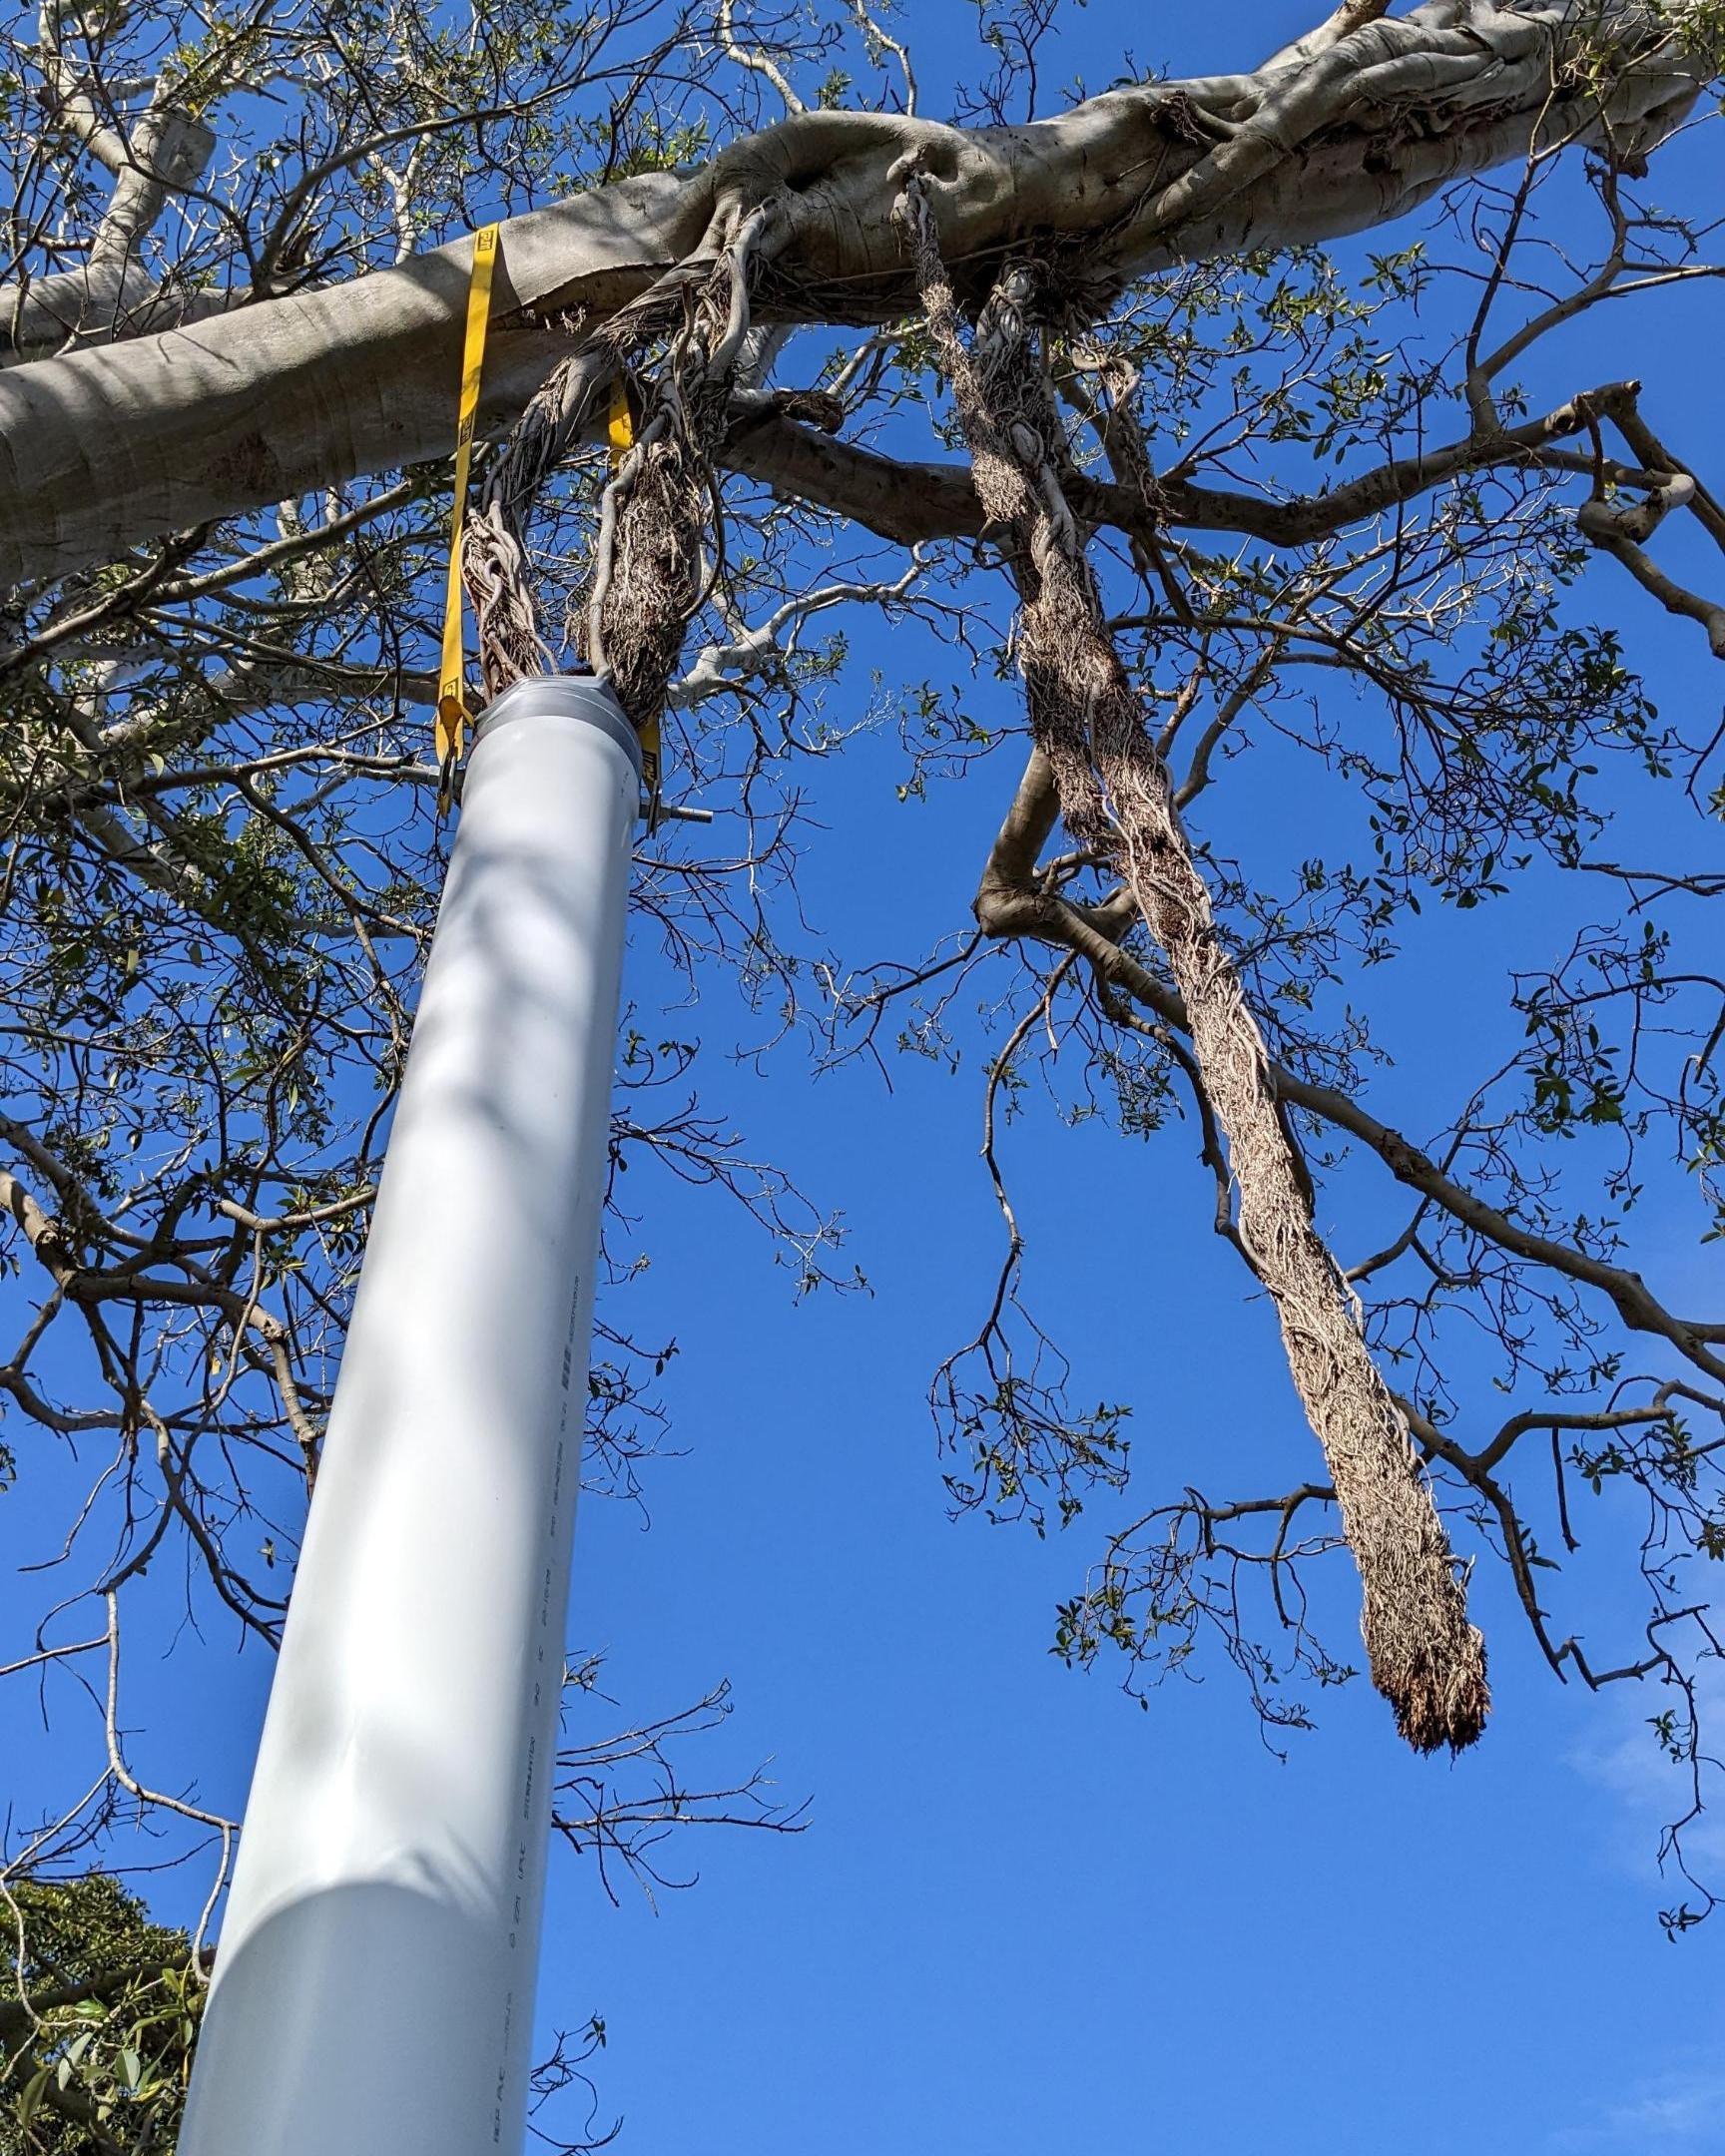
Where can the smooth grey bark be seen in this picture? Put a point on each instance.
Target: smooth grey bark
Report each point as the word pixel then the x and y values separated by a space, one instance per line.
pixel 104 448
pixel 113 295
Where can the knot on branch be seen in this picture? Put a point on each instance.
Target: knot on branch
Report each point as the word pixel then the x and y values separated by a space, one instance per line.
pixel 819 408
pixel 1603 520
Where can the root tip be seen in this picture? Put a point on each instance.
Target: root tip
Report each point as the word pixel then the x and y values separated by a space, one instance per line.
pixel 1444 1703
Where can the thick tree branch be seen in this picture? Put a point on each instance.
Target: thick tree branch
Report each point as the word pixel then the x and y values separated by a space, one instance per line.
pixel 101 449
pixel 908 502
pixel 112 294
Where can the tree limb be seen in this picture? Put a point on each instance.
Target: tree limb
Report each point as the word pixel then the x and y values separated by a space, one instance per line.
pixel 100 449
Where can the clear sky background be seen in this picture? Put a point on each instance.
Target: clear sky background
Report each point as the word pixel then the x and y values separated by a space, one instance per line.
pixel 1027 1919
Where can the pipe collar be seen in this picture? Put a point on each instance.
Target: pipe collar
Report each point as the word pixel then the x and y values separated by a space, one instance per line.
pixel 562 695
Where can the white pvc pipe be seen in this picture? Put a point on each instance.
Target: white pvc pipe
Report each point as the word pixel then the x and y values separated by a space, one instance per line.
pixel 374 1976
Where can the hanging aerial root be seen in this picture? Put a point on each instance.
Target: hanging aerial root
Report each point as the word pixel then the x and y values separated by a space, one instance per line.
pixel 648 568
pixel 495 559
pixel 1117 799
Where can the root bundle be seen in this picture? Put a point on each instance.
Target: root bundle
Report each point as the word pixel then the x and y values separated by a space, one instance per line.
pixel 662 499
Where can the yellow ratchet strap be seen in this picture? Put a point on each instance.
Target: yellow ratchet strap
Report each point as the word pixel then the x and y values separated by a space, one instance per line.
pixel 454 716
pixel 620 434
pixel 620 439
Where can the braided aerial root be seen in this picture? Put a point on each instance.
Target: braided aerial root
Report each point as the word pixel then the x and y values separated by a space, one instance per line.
pixel 495 559
pixel 647 579
pixel 1117 799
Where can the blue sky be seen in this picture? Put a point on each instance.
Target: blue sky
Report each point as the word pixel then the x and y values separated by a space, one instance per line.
pixel 1026 1917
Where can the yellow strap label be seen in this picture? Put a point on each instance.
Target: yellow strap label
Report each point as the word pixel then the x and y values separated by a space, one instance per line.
pixel 453 712
pixel 620 434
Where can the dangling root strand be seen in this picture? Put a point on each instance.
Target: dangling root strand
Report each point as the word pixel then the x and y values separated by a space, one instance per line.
pixel 1117 799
